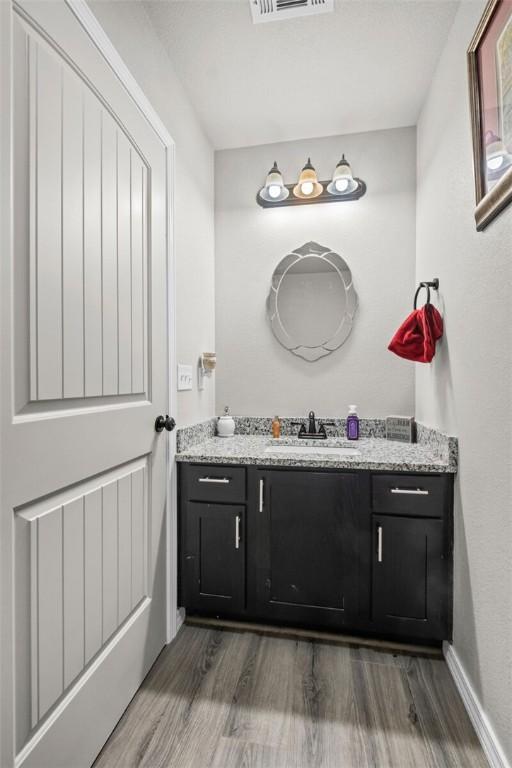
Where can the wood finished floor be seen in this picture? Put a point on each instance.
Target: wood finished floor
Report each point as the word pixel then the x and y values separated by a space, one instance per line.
pixel 234 699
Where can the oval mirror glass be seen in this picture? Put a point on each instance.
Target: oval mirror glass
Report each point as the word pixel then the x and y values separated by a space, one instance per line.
pixel 312 301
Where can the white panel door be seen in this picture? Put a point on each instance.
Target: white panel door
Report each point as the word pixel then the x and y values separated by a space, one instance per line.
pixel 84 377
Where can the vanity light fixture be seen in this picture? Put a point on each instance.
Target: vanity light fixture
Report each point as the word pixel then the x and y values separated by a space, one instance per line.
pixel 308 190
pixel 274 190
pixel 343 183
pixel 308 186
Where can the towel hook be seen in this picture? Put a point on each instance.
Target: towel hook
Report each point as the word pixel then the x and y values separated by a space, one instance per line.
pixel 428 285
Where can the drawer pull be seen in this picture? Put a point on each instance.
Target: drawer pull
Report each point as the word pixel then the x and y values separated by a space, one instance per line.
pixel 379 544
pixel 261 495
pixel 410 491
pixel 223 480
pixel 237 532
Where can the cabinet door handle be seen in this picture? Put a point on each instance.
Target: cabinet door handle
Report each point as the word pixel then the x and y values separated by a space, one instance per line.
pixel 410 491
pixel 379 544
pixel 223 480
pixel 260 508
pixel 237 532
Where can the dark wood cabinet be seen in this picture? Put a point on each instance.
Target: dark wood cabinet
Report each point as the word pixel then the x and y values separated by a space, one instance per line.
pixel 303 546
pixel 414 495
pixel 410 576
pixel 213 558
pixel 359 551
pixel 215 483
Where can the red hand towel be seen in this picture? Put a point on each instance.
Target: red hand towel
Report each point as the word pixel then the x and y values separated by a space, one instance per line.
pixel 416 338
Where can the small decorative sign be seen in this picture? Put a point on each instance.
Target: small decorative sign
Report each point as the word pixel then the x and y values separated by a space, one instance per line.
pixel 401 428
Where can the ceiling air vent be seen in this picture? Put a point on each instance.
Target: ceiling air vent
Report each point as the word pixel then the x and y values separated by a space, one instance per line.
pixel 272 10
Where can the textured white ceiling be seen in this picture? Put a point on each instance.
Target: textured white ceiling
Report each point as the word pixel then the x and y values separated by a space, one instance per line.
pixel 366 66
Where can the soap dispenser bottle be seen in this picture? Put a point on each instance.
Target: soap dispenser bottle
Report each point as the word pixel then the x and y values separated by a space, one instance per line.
pixel 276 427
pixel 352 423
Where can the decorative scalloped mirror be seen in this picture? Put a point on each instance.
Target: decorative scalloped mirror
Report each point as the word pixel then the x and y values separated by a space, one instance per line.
pixel 312 301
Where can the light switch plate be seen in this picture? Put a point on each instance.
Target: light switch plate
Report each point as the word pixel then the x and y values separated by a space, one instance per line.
pixel 184 377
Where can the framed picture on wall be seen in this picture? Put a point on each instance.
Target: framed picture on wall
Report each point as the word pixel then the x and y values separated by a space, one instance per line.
pixel 490 93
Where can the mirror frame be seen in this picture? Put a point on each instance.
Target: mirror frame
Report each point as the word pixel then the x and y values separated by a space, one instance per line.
pixel 309 353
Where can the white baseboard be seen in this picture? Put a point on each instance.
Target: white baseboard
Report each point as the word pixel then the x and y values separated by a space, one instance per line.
pixel 180 618
pixel 484 730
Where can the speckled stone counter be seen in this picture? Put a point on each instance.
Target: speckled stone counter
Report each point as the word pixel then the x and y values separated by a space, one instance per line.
pixel 373 454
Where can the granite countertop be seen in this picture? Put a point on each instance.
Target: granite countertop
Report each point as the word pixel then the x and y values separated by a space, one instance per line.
pixel 374 454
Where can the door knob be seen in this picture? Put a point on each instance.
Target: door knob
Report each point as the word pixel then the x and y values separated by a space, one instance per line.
pixel 164 422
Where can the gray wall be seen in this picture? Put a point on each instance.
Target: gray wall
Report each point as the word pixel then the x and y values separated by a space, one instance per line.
pixel 467 390
pixel 375 235
pixel 128 27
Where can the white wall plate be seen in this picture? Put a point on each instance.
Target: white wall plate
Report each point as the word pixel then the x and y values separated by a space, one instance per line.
pixel 184 377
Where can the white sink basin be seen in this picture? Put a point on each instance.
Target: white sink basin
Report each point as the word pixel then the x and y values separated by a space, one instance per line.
pixel 313 450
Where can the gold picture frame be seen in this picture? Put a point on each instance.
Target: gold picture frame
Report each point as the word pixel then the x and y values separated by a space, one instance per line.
pixel 489 202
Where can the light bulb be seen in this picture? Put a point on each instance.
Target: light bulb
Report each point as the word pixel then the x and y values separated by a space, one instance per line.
pixel 495 162
pixel 306 187
pixel 274 190
pixel 341 185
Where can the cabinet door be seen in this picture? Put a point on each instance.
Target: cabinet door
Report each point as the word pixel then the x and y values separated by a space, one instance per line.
pixel 214 558
pixel 305 561
pixel 410 577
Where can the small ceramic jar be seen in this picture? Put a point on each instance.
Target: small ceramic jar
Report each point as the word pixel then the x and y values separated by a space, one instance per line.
pixel 225 424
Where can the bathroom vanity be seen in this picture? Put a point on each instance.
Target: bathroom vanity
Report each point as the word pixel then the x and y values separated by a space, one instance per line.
pixel 357 540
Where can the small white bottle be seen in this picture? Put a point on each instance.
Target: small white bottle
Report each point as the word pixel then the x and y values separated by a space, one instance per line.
pixel 225 424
